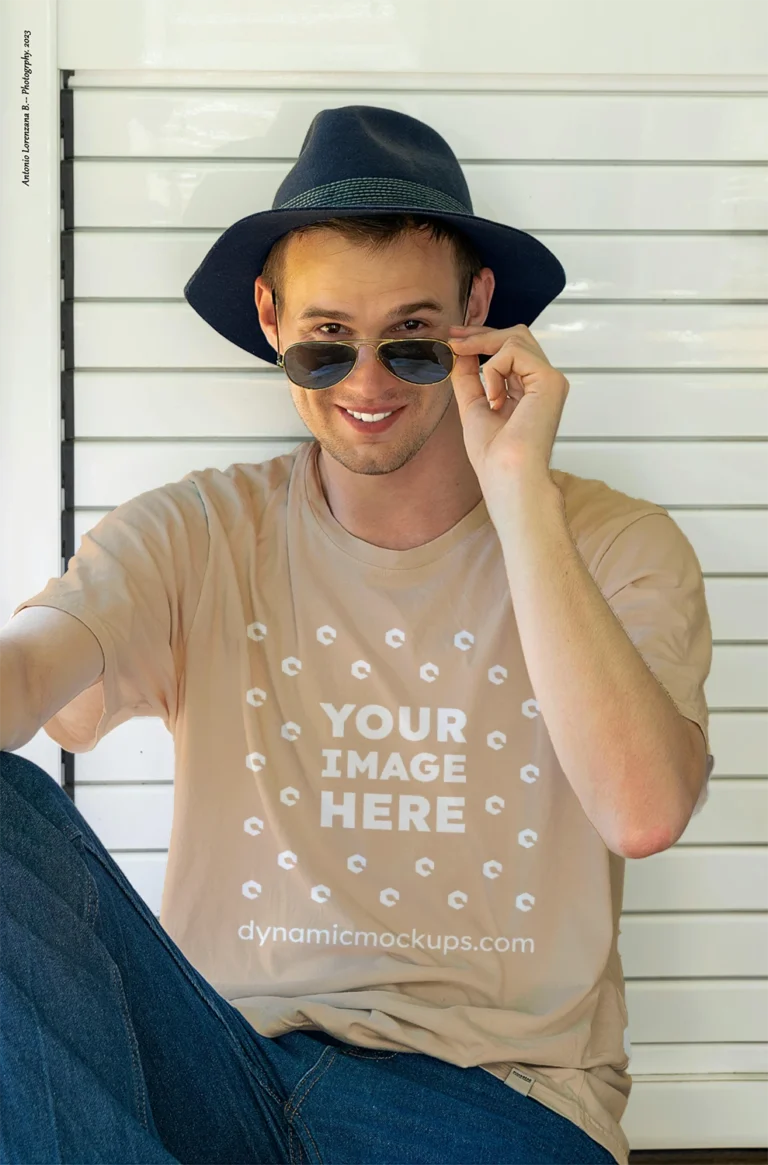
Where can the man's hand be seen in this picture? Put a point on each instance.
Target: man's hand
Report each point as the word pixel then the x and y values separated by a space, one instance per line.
pixel 511 431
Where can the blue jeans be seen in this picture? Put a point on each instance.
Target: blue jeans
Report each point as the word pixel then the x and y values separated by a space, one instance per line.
pixel 113 1048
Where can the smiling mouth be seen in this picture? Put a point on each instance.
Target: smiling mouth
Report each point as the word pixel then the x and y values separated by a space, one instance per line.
pixel 373 422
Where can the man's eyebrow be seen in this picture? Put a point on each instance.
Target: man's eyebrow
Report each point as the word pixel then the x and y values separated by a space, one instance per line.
pixel 314 311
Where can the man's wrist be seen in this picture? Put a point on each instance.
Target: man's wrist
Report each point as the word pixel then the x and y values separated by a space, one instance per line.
pixel 532 489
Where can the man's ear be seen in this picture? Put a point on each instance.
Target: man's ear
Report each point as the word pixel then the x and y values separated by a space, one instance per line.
pixel 482 293
pixel 262 295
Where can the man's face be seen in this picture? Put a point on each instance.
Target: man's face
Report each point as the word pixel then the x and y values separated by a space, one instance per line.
pixel 324 270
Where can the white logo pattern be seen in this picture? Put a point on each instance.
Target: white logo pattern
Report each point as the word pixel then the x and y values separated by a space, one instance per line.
pixel 356 863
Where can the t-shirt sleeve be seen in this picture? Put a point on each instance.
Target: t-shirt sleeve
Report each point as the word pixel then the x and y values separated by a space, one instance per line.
pixel 135 582
pixel 651 577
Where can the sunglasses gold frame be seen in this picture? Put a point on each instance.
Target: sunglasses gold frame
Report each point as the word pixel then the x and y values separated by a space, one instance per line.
pixel 377 344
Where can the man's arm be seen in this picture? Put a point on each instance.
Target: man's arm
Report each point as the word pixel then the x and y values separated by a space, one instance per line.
pixel 621 741
pixel 47 657
pixel 629 755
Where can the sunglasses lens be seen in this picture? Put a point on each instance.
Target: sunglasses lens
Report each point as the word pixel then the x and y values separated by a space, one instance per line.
pixel 319 365
pixel 418 361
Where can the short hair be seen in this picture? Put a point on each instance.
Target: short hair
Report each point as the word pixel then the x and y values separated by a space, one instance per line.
pixel 376 232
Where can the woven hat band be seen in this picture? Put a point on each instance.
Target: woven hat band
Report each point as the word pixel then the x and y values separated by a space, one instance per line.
pixel 395 192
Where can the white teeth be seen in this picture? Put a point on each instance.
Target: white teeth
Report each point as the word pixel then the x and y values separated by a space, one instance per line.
pixel 369 416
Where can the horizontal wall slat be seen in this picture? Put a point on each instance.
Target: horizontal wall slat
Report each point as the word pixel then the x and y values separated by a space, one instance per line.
pixel 738 679
pixel 702 877
pixel 739 743
pixel 172 335
pixel 142 750
pixel 668 1114
pixel 726 541
pixel 667 473
pixel 673 1011
pixel 477 126
pixel 700 945
pixel 108 473
pixel 230 404
pixel 698 1058
pixel 561 196
pixel 134 264
pixel 138 816
pixel 738 608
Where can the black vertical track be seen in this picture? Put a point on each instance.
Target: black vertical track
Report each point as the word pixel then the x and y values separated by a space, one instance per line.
pixel 67 372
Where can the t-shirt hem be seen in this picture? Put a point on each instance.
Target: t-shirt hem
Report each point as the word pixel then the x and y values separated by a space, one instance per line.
pixel 575 1112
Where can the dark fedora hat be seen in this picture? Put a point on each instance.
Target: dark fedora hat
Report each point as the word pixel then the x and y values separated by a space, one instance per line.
pixel 361 160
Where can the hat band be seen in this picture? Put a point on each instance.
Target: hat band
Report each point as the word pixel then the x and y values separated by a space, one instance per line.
pixel 393 192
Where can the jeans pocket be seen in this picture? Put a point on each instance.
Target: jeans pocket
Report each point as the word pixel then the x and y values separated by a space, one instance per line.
pixel 367 1053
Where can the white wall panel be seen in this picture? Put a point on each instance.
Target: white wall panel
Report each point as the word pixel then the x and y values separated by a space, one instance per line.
pixel 660 946
pixel 140 264
pixel 206 194
pixel 738 608
pixel 110 472
pixel 727 539
pixel 739 676
pixel 616 335
pixel 616 127
pixel 137 403
pixel 741 740
pixel 675 1010
pixel 667 473
pixel 671 1113
pixel 551 36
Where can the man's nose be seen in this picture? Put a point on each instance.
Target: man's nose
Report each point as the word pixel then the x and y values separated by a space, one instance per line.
pixel 369 369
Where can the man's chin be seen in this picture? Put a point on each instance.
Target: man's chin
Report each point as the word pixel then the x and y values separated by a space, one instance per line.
pixel 371 459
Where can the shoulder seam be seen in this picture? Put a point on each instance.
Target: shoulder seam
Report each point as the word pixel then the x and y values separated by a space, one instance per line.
pixel 659 513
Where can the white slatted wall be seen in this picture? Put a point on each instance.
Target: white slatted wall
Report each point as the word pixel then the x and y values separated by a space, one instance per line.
pixel 655 202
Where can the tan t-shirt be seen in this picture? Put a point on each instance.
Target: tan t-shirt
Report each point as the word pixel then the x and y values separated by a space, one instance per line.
pixel 372 834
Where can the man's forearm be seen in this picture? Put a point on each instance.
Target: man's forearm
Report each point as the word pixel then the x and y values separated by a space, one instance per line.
pixel 615 731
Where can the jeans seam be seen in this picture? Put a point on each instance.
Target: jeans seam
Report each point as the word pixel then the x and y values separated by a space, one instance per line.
pixel 360 1053
pixel 138 1074
pixel 292 1110
pixel 149 919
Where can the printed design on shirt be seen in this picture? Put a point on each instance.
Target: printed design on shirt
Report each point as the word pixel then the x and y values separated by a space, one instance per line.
pixel 374 810
pixel 463 640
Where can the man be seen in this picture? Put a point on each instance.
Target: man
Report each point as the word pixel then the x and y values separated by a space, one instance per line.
pixel 414 742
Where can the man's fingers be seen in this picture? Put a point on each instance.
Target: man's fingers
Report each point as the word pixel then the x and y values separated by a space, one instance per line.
pixel 467 385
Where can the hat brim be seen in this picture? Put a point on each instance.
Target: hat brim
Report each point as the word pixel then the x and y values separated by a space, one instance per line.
pixel 528 276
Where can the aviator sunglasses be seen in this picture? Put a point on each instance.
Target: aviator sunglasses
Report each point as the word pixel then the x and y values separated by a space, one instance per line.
pixel 325 363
